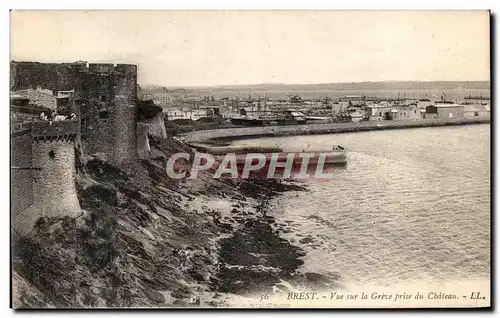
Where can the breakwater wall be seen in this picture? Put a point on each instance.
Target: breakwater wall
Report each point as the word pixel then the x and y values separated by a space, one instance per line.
pixel 223 135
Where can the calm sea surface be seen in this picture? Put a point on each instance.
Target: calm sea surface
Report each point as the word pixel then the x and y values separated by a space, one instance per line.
pixel 411 205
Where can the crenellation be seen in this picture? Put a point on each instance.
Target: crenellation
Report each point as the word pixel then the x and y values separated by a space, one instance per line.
pixel 104 98
pixel 105 101
pixel 43 172
pixel 43 129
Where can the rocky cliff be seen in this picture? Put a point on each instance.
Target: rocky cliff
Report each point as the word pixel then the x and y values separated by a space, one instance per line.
pixel 144 240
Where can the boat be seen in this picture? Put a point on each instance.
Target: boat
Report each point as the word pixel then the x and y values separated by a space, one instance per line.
pixel 334 157
pixel 252 156
pixel 337 154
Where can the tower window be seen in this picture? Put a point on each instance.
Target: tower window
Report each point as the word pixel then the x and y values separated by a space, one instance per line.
pixel 104 114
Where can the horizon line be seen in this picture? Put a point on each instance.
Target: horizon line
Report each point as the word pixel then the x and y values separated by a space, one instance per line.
pixel 242 84
pixel 319 83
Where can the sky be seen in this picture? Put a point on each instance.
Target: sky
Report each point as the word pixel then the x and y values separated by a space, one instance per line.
pixel 205 48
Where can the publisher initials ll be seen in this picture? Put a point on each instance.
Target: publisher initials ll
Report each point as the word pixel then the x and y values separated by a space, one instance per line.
pixel 477 295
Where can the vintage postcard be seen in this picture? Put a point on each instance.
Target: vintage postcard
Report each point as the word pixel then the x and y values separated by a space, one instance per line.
pixel 250 159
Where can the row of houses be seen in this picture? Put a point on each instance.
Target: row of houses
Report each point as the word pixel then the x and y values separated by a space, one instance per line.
pixel 356 108
pixel 374 112
pixel 415 111
pixel 188 113
pixel 456 111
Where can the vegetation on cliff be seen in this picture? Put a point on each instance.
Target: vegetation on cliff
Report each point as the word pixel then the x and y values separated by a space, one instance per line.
pixel 122 251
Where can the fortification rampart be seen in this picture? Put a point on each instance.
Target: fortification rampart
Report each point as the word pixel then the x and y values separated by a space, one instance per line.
pixel 124 113
pixel 62 130
pixel 21 158
pixel 43 172
pixel 105 101
pixel 43 153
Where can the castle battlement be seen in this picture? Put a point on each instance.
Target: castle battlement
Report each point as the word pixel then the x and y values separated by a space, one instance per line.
pixel 43 171
pixel 59 130
pixel 43 153
pixel 115 69
pixel 105 102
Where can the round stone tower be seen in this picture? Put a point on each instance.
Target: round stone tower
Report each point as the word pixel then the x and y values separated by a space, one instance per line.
pixel 48 188
pixel 54 184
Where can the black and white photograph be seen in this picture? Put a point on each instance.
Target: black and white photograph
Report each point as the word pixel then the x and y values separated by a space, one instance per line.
pixel 250 159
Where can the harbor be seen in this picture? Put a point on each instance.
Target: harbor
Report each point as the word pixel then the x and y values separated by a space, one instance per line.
pixel 222 136
pixel 230 159
pixel 410 206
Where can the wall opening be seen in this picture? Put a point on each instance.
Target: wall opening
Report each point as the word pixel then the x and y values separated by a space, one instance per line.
pixel 52 155
pixel 103 114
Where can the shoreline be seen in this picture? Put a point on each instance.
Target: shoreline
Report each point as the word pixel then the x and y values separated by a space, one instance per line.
pixel 137 218
pixel 224 136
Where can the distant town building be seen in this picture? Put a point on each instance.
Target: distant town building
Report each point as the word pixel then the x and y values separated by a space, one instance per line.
pixel 159 98
pixel 376 112
pixel 339 107
pixel 256 110
pixel 356 112
pixel 424 102
pixel 444 110
pixel 476 110
pixel 407 112
pixel 293 115
pixel 193 114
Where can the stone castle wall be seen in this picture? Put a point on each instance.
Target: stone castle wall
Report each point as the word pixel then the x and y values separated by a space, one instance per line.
pixel 154 127
pixel 53 76
pixel 39 97
pixel 105 99
pixel 54 185
pixel 124 113
pixel 42 172
pixel 21 179
pixel 157 126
